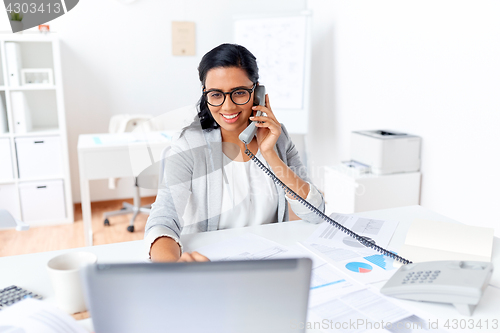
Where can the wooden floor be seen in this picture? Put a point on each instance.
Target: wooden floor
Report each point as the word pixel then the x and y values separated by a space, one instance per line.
pixel 59 237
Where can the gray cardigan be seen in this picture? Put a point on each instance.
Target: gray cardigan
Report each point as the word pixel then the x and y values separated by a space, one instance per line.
pixel 193 173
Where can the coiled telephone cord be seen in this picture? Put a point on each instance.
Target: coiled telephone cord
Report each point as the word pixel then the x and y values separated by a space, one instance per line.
pixel 334 223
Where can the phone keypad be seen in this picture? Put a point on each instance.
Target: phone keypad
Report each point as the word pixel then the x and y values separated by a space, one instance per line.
pixel 13 294
pixel 421 277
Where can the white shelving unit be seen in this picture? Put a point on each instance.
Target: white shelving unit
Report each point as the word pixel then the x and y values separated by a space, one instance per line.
pixel 37 189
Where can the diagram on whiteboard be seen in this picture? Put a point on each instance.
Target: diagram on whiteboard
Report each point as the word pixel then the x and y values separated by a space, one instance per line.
pixel 279 45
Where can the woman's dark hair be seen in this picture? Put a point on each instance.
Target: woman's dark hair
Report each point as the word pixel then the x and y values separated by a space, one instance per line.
pixel 224 55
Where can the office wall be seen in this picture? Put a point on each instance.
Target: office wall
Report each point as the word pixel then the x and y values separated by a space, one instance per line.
pixel 425 67
pixel 116 58
pixel 429 68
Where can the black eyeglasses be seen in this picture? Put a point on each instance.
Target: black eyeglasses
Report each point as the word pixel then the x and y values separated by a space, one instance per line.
pixel 239 96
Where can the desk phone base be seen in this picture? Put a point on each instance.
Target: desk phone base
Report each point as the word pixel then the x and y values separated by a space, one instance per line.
pixel 461 283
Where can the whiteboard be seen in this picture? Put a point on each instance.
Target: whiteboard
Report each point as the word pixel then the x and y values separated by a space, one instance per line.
pixel 282 48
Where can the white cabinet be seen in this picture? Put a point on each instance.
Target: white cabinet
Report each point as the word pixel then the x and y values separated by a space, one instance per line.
pixel 347 192
pixel 34 166
pixel 39 157
pixel 42 201
pixel 6 170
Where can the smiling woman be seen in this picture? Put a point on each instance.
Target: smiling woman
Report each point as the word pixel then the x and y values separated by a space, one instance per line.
pixel 227 111
pixel 209 183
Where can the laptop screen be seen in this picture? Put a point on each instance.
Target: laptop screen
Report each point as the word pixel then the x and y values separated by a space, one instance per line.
pixel 224 296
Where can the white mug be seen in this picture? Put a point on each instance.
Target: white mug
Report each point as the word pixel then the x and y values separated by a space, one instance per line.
pixel 64 271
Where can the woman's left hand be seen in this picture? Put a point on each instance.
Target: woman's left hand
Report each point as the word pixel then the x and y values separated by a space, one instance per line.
pixel 268 128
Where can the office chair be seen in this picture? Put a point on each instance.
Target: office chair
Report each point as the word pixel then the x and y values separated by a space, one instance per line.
pixel 127 208
pixel 120 124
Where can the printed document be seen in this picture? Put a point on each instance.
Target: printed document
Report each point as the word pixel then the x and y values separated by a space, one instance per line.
pixel 347 254
pixel 326 281
pixel 34 316
pixel 337 302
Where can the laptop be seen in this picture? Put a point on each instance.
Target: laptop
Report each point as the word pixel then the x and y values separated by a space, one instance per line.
pixel 225 296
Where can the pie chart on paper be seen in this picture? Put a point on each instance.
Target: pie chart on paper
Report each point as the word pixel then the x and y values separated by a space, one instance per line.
pixel 359 267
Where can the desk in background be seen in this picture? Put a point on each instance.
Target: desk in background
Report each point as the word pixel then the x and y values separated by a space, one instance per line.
pixel 102 156
pixel 29 271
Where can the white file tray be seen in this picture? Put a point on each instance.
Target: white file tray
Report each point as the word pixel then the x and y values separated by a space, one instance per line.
pixel 42 201
pixel 9 199
pixel 5 160
pixel 39 157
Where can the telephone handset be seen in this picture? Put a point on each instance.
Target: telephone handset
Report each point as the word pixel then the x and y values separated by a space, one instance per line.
pixel 259 99
pixel 247 136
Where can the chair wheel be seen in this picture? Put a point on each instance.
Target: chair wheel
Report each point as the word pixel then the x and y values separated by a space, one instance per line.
pixel 106 222
pixel 130 228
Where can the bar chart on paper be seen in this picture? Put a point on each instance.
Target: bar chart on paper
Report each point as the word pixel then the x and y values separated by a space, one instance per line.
pixel 381 261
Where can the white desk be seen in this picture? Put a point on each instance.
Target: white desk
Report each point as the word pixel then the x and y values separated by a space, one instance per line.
pixel 102 156
pixel 29 271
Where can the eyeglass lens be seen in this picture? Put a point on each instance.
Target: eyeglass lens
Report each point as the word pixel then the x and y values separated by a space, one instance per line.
pixel 217 98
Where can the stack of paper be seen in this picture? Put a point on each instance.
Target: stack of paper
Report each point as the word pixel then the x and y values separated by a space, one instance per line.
pixel 435 240
pixel 33 316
